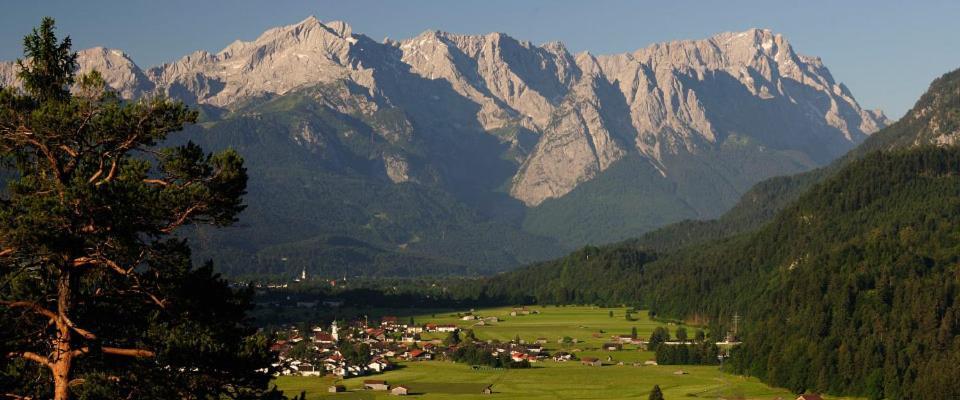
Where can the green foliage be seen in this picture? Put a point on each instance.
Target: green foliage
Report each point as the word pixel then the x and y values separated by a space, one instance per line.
pixel 688 354
pixel 48 70
pixel 470 336
pixel 453 338
pixel 870 250
pixel 607 275
pixel 681 334
pixel 354 353
pixel 659 335
pixel 656 393
pixel 88 263
pixel 855 276
pixel 699 336
pixel 480 355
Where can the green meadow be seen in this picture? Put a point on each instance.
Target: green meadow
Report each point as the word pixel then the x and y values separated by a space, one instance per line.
pixel 550 379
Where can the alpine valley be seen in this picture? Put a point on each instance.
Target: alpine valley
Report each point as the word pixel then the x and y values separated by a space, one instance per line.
pixel 466 154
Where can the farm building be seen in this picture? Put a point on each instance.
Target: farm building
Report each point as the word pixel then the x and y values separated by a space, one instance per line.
pixel 400 391
pixel 809 397
pixel 417 355
pixel 612 346
pixel 591 361
pixel 487 390
pixel 372 384
pixel 336 389
pixel 446 328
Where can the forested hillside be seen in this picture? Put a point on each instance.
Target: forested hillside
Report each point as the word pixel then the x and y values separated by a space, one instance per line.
pixel 591 275
pixel 851 288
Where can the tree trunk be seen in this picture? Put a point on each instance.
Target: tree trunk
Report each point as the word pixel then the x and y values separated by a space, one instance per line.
pixel 63 350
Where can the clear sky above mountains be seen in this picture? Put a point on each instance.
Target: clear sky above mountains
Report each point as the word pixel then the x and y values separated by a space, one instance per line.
pixel 885 51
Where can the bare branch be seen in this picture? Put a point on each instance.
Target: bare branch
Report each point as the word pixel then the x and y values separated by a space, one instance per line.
pixel 82 332
pixel 114 266
pixel 68 150
pixel 98 173
pixel 182 218
pixel 36 308
pixel 160 182
pixel 117 351
pixel 83 261
pixel 31 356
pixel 111 174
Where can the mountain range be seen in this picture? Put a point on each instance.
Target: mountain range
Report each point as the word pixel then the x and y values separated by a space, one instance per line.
pixel 449 153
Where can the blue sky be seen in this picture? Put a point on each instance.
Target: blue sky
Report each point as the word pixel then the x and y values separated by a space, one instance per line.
pixel 887 52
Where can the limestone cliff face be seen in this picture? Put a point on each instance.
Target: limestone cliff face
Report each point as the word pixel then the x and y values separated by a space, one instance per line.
pixel 514 82
pixel 669 100
pixel 575 147
pixel 278 61
pixel 688 97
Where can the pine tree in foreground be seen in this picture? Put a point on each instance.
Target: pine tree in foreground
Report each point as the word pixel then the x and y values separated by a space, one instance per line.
pixel 98 297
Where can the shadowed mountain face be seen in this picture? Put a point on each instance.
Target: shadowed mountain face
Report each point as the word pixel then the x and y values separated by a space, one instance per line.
pixel 479 152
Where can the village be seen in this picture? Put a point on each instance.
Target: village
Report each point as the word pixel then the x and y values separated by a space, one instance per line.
pixel 365 348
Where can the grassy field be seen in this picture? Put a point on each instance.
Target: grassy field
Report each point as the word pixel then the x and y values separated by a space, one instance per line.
pixel 549 379
pixel 554 323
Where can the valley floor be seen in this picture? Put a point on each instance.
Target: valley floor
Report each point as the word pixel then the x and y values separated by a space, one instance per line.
pixel 549 379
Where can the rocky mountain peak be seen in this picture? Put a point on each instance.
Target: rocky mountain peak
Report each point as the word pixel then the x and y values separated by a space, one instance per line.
pixel 585 112
pixel 279 60
pixel 117 69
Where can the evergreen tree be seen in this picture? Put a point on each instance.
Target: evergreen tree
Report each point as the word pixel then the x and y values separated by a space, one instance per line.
pixel 89 263
pixel 633 332
pixel 656 393
pixel 681 334
pixel 700 336
pixel 659 335
pixel 453 338
pixel 471 337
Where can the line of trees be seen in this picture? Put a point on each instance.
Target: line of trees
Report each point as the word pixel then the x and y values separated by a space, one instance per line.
pixel 688 354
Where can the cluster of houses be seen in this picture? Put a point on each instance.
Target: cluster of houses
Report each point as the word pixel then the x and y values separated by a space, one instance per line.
pixel 387 340
pixel 318 352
